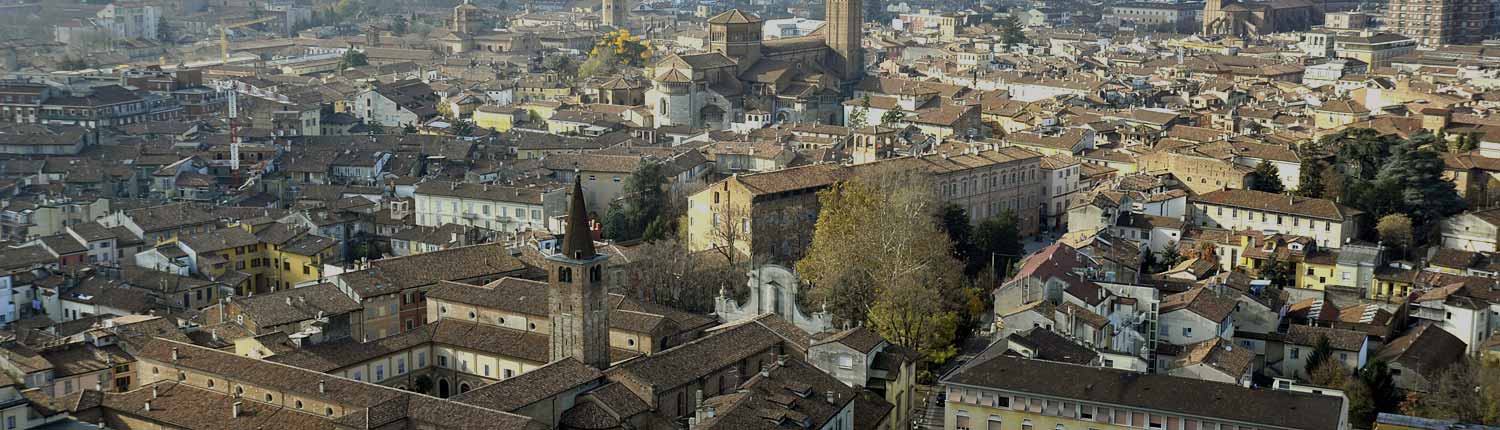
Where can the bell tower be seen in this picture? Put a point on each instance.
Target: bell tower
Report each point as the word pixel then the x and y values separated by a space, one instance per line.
pixel 845 36
pixel 576 300
pixel 614 13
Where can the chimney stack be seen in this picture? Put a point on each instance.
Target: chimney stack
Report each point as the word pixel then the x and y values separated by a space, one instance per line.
pixel 175 355
pixel 831 398
pixel 322 387
pixel 235 410
pixel 148 406
pixel 154 392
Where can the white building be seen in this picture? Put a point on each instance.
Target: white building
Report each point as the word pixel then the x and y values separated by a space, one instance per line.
pixel 490 207
pixel 130 19
pixel 1327 222
pixel 1061 183
pixel 1472 231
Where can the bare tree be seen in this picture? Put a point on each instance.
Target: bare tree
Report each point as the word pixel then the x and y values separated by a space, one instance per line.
pixel 729 228
pixel 664 272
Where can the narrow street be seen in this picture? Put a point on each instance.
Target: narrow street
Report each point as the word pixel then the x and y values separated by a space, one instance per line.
pixel 929 414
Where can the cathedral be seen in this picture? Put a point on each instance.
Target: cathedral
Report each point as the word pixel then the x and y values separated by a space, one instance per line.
pixel 1249 19
pixel 467 33
pixel 796 79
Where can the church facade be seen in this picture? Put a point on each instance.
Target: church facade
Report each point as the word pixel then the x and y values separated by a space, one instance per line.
pixel 467 33
pixel 1249 19
pixel 796 79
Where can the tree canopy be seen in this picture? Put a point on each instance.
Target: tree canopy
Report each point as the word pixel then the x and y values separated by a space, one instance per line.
pixel 872 262
pixel 1266 177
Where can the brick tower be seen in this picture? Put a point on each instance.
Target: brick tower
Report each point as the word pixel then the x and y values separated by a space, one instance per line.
pixel 845 31
pixel 576 300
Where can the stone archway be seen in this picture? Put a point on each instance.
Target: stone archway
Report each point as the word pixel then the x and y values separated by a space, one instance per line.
pixel 463 388
pixel 443 389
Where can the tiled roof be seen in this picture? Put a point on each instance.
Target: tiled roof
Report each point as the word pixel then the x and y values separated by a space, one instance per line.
pixel 1212 400
pixel 392 275
pixel 1340 339
pixel 690 361
pixel 1200 301
pixel 297 304
pixel 531 387
pixel 1271 202
pixel 859 338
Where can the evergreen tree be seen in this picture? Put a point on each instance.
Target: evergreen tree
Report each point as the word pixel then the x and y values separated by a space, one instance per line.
pixel 617 225
pixel 1278 272
pixel 1170 256
pixel 1310 178
pixel 1266 177
pixel 1424 195
pixel 1011 32
pixel 1322 351
pixel 998 239
pixel 353 58
pixel 954 220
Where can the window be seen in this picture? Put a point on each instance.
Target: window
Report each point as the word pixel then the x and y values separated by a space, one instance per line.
pixel 328 411
pixel 421 359
pixel 1187 331
pixel 299 404
pixel 442 361
pixel 509 373
pixel 1296 353
pixel 846 361
pixel 486 370
pixel 379 372
pixel 1026 425
pixel 270 398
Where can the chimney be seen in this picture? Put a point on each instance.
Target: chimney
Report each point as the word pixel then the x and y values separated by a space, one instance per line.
pixel 289 300
pixel 234 411
pixel 175 355
pixel 322 387
pixel 154 392
pixel 831 399
pixel 148 406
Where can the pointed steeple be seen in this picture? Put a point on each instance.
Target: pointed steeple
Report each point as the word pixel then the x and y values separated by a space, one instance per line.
pixel 578 242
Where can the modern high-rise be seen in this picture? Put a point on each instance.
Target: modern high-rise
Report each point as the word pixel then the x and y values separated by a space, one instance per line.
pixel 1440 22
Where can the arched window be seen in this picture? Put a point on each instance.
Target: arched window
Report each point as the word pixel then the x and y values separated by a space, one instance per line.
pixel 270 398
pixel 299 404
pixel 565 274
pixel 328 411
pixel 595 274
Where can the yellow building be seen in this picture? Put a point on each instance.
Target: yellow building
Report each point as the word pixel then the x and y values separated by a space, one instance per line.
pixel 1393 283
pixel 299 261
pixel 498 118
pixel 232 255
pixel 1338 113
pixel 1010 393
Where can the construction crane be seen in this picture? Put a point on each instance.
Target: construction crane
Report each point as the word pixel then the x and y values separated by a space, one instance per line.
pixel 224 34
